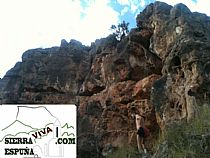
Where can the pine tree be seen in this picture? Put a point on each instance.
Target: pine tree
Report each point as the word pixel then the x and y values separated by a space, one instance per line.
pixel 121 30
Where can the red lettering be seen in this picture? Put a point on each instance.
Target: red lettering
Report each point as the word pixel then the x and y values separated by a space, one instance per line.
pixel 42 132
pixel 35 135
pixel 49 130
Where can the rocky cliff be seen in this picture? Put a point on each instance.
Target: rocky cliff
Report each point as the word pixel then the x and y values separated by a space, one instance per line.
pixel 161 67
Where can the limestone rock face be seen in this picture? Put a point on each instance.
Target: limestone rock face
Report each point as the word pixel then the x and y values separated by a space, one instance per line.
pixel 181 40
pixel 108 90
pixel 50 75
pixel 162 67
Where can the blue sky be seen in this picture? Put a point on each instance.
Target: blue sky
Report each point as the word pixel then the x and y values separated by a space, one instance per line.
pixel 27 24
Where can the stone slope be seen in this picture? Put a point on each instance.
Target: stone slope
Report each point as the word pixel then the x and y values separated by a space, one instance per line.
pixel 161 67
pixel 47 75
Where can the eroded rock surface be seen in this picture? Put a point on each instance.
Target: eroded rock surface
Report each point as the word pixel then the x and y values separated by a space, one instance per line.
pixel 51 75
pixel 161 67
pixel 181 39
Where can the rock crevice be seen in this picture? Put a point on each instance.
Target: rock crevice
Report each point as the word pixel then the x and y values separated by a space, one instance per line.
pixel 161 67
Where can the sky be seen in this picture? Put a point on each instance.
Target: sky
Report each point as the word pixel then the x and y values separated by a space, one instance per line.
pixel 28 24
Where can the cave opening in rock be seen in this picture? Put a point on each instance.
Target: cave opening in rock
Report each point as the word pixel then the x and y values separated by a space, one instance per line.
pixel 176 62
pixel 176 69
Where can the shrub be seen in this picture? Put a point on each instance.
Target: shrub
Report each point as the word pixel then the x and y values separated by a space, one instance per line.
pixel 124 152
pixel 189 140
pixel 121 30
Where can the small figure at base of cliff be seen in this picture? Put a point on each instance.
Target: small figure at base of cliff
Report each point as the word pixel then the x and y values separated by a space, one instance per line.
pixel 140 119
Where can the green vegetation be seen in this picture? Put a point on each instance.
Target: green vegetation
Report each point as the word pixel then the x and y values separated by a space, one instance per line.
pixel 121 30
pixel 179 140
pixel 124 152
pixel 188 140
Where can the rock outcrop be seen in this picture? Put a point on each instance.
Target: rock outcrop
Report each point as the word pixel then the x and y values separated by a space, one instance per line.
pixel 181 40
pixel 51 75
pixel 161 67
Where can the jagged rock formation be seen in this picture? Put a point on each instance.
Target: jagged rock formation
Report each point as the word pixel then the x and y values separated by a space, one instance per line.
pixel 112 87
pixel 181 39
pixel 47 75
pixel 162 67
